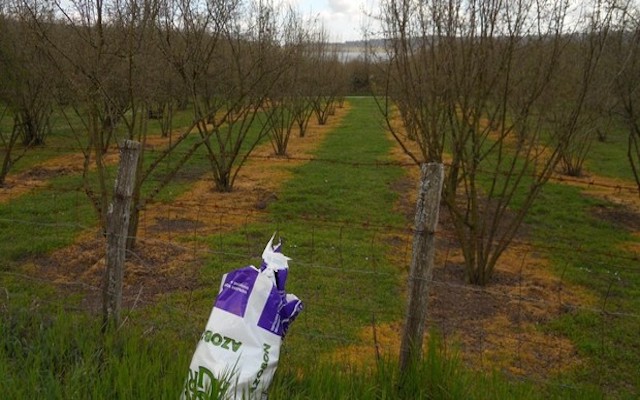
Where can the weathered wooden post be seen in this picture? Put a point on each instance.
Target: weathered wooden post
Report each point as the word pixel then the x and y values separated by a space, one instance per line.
pixel 427 211
pixel 117 228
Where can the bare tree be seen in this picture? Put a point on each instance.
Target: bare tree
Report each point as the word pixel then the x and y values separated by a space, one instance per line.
pixel 8 139
pixel 300 102
pixel 224 56
pixel 576 101
pixel 300 77
pixel 359 72
pixel 280 121
pixel 624 62
pixel 470 79
pixel 26 85
pixel 91 54
pixel 8 142
pixel 287 106
pixel 102 51
pixel 324 85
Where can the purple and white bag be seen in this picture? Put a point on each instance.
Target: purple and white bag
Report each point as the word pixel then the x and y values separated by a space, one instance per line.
pixel 238 352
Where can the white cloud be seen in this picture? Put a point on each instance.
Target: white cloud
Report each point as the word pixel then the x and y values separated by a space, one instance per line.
pixel 343 6
pixel 343 19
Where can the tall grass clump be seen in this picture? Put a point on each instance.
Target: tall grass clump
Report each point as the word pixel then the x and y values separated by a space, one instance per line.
pixel 435 376
pixel 58 354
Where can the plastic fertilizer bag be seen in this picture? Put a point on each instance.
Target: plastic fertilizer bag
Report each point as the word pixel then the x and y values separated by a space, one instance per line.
pixel 238 352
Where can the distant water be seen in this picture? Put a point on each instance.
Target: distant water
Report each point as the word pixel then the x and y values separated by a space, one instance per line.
pixel 350 53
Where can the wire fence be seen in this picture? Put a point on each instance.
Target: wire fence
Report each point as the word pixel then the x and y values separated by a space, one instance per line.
pixel 505 325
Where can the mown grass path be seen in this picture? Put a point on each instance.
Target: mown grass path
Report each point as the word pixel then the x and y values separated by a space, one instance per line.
pixel 335 215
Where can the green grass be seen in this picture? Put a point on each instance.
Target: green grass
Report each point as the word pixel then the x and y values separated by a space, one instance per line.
pixel 609 158
pixel 46 352
pixel 436 376
pixel 44 220
pixel 338 223
pixel 563 221
pixel 63 137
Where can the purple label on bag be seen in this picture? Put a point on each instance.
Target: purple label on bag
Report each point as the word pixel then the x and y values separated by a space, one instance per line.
pixel 270 317
pixel 237 287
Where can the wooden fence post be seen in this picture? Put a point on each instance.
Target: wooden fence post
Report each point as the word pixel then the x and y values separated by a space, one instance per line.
pixel 427 211
pixel 117 229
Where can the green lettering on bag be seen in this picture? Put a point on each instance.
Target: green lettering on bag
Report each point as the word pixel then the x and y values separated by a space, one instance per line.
pixel 200 384
pixel 216 339
pixel 221 341
pixel 263 366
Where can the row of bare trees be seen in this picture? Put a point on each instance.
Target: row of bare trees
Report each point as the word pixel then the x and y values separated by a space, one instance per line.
pixel 505 92
pixel 245 70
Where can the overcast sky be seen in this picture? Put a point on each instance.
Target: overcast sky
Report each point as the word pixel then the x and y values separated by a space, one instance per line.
pixel 342 18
